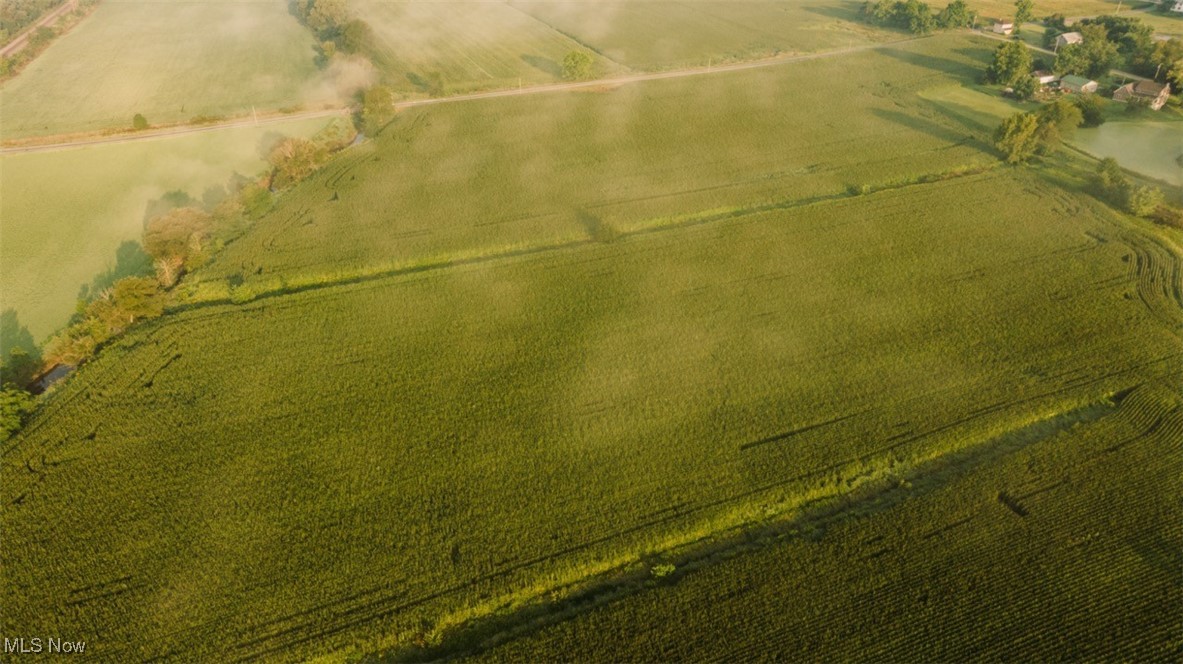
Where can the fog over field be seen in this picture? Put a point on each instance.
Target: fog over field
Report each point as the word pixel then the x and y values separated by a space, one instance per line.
pixel 622 331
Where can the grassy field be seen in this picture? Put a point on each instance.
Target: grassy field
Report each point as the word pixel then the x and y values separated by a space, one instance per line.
pixel 961 576
pixel 1164 24
pixel 170 61
pixel 1153 149
pixel 65 213
pixel 408 463
pixel 657 35
pixel 471 45
pixel 544 169
pixel 1070 8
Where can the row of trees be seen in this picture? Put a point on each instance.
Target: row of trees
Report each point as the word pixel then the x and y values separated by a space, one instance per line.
pixel 39 39
pixel 17 15
pixel 182 237
pixel 1111 184
pixel 335 27
pixel 916 16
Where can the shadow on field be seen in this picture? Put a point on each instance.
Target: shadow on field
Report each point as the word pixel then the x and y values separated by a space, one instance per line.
pixel 964 72
pixel 924 126
pixel 545 65
pixel 845 11
pixel 962 117
pixel 130 261
pixel 981 55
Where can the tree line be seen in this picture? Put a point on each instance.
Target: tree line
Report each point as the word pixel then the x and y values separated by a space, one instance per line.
pixel 916 16
pixel 1115 41
pixel 179 236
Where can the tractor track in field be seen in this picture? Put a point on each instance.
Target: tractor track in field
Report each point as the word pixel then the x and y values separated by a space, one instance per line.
pixel 386 601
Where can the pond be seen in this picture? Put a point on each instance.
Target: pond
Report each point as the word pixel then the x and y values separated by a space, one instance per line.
pixel 1151 148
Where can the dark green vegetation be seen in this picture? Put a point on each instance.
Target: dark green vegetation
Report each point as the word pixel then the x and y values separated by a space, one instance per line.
pixel 1038 550
pixel 917 17
pixel 17 15
pixel 493 359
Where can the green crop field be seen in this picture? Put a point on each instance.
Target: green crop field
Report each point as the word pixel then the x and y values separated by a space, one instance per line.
pixel 406 457
pixel 512 357
pixel 960 576
pixel 170 61
pixel 63 214
pixel 541 169
pixel 471 45
pixel 657 35
pixel 1164 24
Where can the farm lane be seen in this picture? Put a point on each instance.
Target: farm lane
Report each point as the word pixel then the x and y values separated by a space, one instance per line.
pixel 22 39
pixel 181 130
pixel 507 92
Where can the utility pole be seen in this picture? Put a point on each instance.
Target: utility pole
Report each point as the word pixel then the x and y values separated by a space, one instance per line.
pixel 255 114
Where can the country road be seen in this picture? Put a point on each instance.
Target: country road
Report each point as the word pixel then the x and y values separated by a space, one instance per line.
pixel 23 38
pixel 508 92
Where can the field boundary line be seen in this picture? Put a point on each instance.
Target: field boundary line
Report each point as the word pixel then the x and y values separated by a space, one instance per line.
pixel 296 284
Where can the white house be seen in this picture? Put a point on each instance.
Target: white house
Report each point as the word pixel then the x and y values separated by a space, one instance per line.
pixel 1004 28
pixel 1178 7
pixel 1069 38
pixel 1044 77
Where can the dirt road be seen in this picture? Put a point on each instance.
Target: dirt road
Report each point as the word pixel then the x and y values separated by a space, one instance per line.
pixel 509 92
pixel 22 39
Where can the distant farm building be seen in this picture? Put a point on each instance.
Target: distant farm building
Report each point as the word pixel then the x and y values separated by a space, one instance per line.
pixel 1004 28
pixel 1077 84
pixel 1069 38
pixel 1044 77
pixel 1178 7
pixel 1155 94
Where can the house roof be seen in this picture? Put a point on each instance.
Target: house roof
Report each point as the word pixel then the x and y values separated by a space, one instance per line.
pixel 1075 81
pixel 1072 37
pixel 1148 88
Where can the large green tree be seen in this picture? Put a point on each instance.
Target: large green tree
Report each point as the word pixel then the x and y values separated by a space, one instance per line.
pixel 1017 138
pixel 1011 61
pixel 955 15
pixel 577 66
pixel 377 108
pixel 1093 57
pixel 1024 12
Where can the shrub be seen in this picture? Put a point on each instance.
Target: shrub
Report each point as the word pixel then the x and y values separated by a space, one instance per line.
pixel 139 122
pixel 577 66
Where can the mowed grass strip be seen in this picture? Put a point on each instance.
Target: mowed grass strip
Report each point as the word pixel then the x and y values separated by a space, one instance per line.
pixel 946 573
pixel 360 466
pixel 170 61
pixel 64 214
pixel 661 35
pixel 482 176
